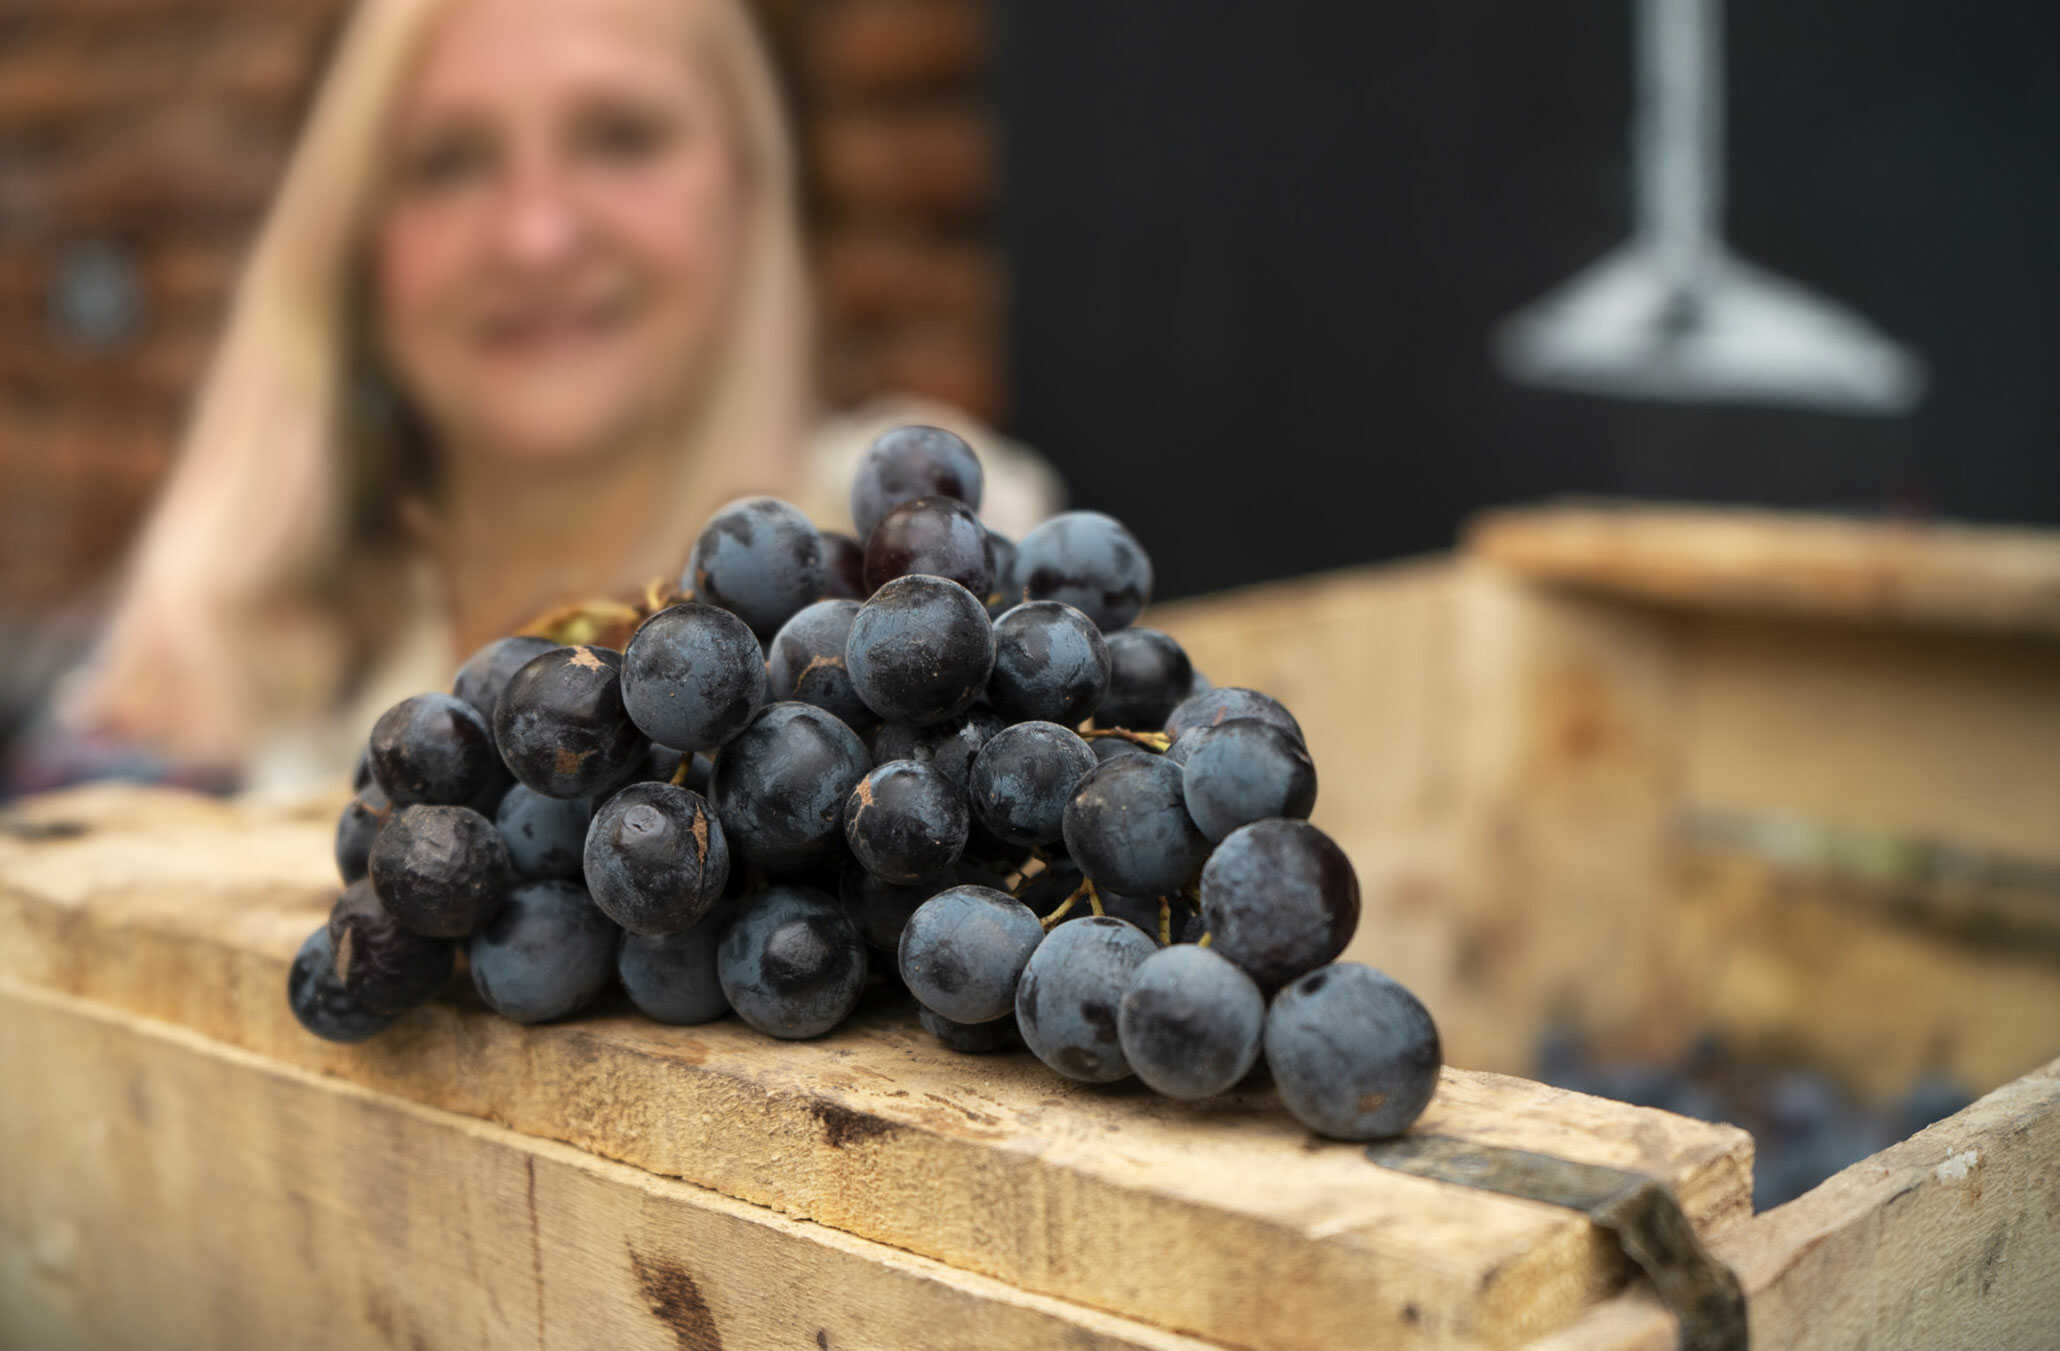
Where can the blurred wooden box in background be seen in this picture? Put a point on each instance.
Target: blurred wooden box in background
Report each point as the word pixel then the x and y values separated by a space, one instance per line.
pixel 1656 772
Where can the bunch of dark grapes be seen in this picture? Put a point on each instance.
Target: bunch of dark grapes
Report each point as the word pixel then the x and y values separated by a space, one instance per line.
pixel 939 759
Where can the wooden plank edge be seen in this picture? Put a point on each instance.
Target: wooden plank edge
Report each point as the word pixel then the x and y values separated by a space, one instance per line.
pixel 1804 564
pixel 687 1291
pixel 1950 1238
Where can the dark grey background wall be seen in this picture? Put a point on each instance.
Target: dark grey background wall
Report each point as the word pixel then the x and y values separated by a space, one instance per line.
pixel 1257 249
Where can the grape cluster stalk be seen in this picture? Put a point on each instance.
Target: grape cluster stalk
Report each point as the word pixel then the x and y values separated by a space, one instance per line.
pixel 927 757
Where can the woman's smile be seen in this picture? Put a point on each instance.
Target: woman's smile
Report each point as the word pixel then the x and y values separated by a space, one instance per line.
pixel 541 330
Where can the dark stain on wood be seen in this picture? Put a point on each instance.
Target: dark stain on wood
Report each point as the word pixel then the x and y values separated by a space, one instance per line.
pixel 843 1126
pixel 380 1316
pixel 978 1118
pixel 676 1302
pixel 536 1249
pixel 1992 1260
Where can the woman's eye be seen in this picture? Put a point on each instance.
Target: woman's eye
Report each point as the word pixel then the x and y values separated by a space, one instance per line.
pixel 621 137
pixel 445 163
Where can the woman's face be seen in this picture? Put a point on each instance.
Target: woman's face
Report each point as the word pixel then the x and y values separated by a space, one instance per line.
pixel 560 220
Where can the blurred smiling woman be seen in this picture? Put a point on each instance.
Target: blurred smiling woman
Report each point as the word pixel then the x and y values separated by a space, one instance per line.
pixel 529 305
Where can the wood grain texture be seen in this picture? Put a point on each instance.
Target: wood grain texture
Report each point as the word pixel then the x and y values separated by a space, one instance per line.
pixel 1947 736
pixel 1949 1239
pixel 1828 567
pixel 191 1195
pixel 1789 968
pixel 1224 1221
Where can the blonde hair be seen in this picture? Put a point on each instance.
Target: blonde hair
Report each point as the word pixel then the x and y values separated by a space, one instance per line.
pixel 245 602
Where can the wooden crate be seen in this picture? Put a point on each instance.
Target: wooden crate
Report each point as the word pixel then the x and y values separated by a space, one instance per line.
pixel 1660 772
pixel 1509 764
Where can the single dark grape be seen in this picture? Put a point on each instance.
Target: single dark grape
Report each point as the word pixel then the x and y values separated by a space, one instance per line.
pixel 692 676
pixel 1221 705
pixel 439 869
pixel 758 558
pixel 780 786
pixel 561 724
pixel 1244 770
pixel 1109 747
pixel 792 964
pixel 905 463
pixel 1050 664
pixel 545 954
pixel 672 977
pixel 1069 993
pixel 1090 562
pixel 936 536
pixel 1191 1022
pixel 1354 1054
pixel 969 1038
pixel 545 835
pixel 806 662
pixel 881 909
pixel 1128 826
pixel 1280 899
pixel 1142 911
pixel 655 858
pixel 905 821
pixel 843 567
pixel 660 764
pixel 432 748
pixel 951 747
pixel 379 963
pixel 319 1000
pixel 487 672
pixel 920 651
pixel 359 825
pixel 1149 674
pixel 963 950
pixel 1023 779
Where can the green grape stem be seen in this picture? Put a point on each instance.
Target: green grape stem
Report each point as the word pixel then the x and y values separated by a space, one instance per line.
pixel 1157 741
pixel 1065 907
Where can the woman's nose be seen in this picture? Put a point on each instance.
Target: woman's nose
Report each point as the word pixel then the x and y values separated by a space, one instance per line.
pixel 539 222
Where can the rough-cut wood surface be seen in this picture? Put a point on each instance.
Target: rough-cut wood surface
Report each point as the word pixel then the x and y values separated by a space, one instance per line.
pixel 1225 1221
pixel 1788 966
pixel 1981 577
pixel 1949 1239
pixel 185 1194
pixel 1953 737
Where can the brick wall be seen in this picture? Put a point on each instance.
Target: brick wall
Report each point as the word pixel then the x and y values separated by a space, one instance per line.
pixel 139 140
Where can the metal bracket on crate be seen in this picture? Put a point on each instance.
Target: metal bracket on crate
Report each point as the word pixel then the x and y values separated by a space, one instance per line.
pixel 1639 1210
